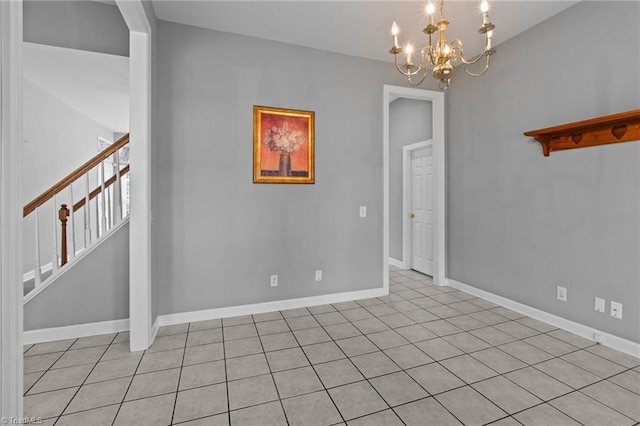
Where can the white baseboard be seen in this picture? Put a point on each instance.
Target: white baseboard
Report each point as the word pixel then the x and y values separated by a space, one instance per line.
pixel 74 331
pixel 610 340
pixel 154 329
pixel 106 327
pixel 397 263
pixel 259 308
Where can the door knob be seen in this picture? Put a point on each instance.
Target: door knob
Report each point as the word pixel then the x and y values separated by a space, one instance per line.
pixel 411 215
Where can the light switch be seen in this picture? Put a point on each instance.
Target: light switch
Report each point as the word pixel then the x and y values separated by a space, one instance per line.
pixel 363 211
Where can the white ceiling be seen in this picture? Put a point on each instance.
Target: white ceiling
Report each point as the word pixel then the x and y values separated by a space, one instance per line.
pixel 358 28
pixel 95 84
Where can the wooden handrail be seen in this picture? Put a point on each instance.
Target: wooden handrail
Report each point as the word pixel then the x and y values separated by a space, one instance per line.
pixel 73 176
pixel 93 194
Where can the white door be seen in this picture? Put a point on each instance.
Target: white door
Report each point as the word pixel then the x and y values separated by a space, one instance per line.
pixel 421 209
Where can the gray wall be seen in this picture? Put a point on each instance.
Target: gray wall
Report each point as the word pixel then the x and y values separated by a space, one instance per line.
pixel 410 121
pixel 521 224
pixel 95 289
pixel 58 139
pixel 217 237
pixel 82 25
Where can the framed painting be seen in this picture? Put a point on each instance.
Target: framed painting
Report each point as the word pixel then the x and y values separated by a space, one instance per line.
pixel 283 145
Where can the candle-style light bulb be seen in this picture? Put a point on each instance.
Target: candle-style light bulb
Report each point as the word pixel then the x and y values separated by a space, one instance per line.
pixel 394 32
pixel 430 10
pixel 446 49
pixel 409 50
pixel 484 8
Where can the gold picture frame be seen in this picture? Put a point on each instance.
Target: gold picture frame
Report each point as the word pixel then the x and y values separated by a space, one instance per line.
pixel 283 145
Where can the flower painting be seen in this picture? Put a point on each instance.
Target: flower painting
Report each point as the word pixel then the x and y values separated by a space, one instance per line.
pixel 283 145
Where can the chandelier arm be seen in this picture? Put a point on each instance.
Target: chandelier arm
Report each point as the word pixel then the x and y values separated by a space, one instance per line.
pixel 406 73
pixel 472 61
pixel 456 45
pixel 424 75
pixel 427 55
pixel 430 53
pixel 486 67
pixel 398 66
pixel 416 71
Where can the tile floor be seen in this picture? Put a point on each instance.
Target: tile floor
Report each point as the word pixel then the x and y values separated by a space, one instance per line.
pixel 423 355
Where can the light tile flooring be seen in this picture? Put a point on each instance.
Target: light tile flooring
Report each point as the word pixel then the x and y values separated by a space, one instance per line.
pixel 423 355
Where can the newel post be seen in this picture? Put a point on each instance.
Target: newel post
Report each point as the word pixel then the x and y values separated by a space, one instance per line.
pixel 63 214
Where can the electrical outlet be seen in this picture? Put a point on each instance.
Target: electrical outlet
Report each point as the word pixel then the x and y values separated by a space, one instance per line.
pixel 616 309
pixel 318 275
pixel 363 211
pixel 599 305
pixel 274 281
pixel 562 293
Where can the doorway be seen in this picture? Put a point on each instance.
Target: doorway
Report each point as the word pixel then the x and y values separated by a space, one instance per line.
pixel 424 239
pixel 418 207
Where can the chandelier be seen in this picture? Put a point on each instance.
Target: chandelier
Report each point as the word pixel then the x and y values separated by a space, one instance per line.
pixel 442 54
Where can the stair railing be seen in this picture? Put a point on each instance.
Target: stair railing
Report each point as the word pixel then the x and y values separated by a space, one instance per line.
pixel 106 199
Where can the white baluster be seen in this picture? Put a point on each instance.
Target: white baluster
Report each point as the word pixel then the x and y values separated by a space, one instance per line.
pixel 36 271
pixel 73 228
pixel 118 189
pixel 110 206
pixel 54 260
pixel 87 213
pixel 127 194
pixel 97 217
pixel 104 199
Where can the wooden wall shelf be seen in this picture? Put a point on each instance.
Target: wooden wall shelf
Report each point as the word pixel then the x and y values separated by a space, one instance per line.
pixel 622 127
